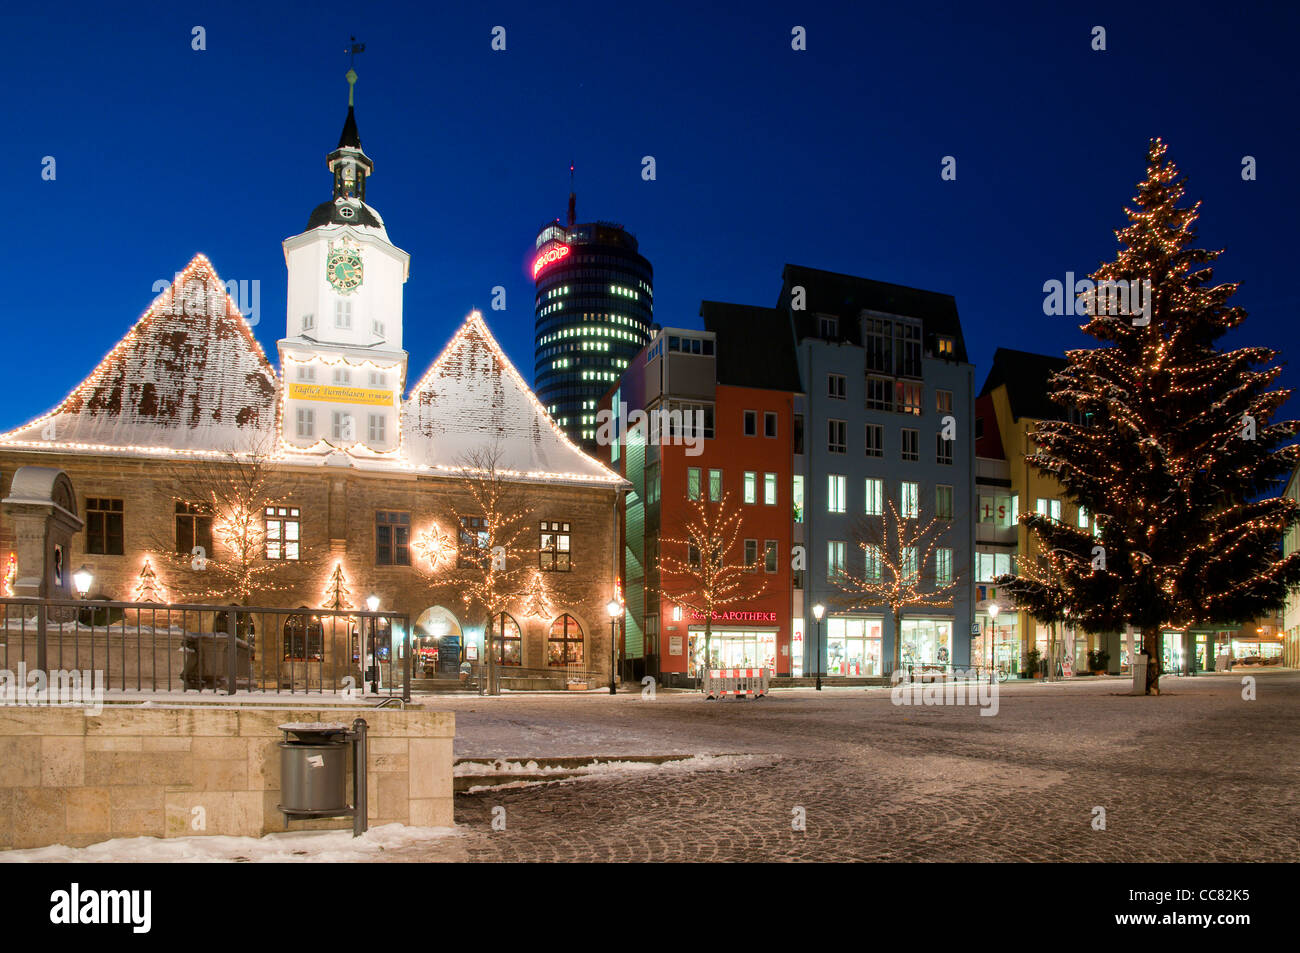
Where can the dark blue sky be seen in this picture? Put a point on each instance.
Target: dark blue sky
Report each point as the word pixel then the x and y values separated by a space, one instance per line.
pixel 829 157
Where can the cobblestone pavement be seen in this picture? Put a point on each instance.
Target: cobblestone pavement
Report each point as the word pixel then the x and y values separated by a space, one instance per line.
pixel 1196 774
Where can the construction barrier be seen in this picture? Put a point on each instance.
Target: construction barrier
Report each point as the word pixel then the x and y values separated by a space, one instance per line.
pixel 741 682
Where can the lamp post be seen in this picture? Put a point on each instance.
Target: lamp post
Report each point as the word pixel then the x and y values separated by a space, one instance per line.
pixel 82 579
pixel 992 624
pixel 372 603
pixel 819 610
pixel 615 610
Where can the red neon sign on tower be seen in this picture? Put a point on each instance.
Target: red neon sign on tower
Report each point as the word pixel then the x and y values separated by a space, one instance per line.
pixel 551 254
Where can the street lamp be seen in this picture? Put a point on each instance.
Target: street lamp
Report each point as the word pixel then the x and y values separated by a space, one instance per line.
pixel 615 609
pixel 372 603
pixel 993 623
pixel 819 610
pixel 82 579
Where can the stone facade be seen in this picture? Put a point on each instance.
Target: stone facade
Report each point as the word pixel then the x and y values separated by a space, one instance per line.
pixel 76 779
pixel 337 509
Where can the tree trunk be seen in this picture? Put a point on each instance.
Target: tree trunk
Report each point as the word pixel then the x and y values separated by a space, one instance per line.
pixel 708 639
pixel 1151 646
pixel 898 641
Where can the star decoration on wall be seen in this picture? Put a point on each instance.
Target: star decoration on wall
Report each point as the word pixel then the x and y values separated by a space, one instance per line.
pixel 435 547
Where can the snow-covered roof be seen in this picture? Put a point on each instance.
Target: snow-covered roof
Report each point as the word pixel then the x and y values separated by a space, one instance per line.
pixel 473 398
pixel 188 377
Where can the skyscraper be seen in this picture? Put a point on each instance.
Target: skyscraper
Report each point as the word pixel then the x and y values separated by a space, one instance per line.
pixel 594 308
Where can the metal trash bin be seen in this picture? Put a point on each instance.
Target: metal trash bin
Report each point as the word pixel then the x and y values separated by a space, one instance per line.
pixel 313 769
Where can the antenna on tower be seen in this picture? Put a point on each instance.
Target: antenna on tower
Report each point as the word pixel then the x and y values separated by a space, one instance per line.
pixel 352 52
pixel 573 198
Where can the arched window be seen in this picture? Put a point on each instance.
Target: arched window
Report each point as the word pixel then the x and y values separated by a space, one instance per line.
pixel 245 630
pixel 303 636
pixel 510 647
pixel 564 646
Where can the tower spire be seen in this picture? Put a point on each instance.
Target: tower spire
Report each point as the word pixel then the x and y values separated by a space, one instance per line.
pixel 573 198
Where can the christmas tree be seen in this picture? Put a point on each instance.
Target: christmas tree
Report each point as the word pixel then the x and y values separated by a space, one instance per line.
pixel 336 592
pixel 11 573
pixel 1171 445
pixel 147 587
pixel 537 603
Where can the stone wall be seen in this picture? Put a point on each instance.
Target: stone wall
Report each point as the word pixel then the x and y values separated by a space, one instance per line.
pixel 71 778
pixel 338 508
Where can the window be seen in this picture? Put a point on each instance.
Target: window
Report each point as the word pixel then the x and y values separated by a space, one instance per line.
pixel 880 394
pixel 943 401
pixel 751 423
pixel 910 499
pixel 715 485
pixel 875 440
pixel 943 502
pixel 943 449
pixel 1049 508
pixel 652 484
pixel 769 555
pixel 943 566
pixel 989 566
pixel 946 348
pixel 769 489
pixel 875 505
pixel 1000 509
pixel 909 569
pixel 473 540
pixel 507 640
pixel 879 333
pixel 751 555
pixel 911 447
pixel 872 566
pixel 342 313
pixel 798 434
pixel 376 427
pixel 193 528
pixel 829 326
pixel 304 636
pixel 692 483
pixel 553 546
pixel 907 349
pixel 306 422
pixel 796 493
pixel 769 424
pixel 283 532
pixel 1083 517
pixel 835 554
pixel 103 527
pixel 342 375
pixel 341 425
pixel 835 386
pixel 378 379
pixel 306 372
pixel 836 493
pixel 377 327
pixel 751 486
pixel 837 436
pixel 692 555
pixel 308 322
pixel 909 398
pixel 564 645
pixel 392 538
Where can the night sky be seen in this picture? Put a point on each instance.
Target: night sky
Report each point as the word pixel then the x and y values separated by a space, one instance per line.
pixel 828 157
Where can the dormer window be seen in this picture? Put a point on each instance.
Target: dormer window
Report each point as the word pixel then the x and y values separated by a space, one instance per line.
pixel 946 347
pixel 830 326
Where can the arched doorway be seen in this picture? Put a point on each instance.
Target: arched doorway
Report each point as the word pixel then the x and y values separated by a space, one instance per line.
pixel 564 644
pixel 438 644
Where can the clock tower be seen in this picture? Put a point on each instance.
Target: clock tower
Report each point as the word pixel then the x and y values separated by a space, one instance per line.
pixel 342 362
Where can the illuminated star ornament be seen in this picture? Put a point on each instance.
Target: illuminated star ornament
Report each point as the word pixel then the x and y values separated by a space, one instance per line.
pixel 434 546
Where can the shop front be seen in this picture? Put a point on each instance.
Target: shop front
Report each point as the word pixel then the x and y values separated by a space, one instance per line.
pixel 1001 638
pixel 927 642
pixel 853 646
pixel 734 647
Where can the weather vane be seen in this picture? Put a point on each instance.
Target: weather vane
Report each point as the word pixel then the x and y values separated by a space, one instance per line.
pixel 352 52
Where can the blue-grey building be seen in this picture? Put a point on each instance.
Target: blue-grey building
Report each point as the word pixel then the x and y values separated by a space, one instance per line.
pixel 886 414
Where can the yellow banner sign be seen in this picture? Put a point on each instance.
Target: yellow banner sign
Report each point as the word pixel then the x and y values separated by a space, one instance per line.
pixel 340 395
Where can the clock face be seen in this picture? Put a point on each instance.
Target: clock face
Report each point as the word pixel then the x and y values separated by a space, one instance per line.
pixel 344 270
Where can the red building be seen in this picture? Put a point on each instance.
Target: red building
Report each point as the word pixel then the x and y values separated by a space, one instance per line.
pixel 711 416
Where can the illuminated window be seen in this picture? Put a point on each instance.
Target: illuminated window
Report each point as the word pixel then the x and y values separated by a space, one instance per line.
pixel 282 531
pixel 836 552
pixel 751 486
pixel 564 645
pixel 769 489
pixel 943 566
pixel 553 546
pixel 837 493
pixel 943 502
pixel 910 499
pixel 715 485
pixel 693 483
pixel 875 504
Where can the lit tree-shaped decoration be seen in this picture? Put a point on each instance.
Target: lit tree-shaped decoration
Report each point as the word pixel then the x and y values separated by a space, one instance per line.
pixel 537 602
pixel 11 573
pixel 336 590
pixel 435 547
pixel 1173 446
pixel 704 566
pixel 897 568
pixel 147 587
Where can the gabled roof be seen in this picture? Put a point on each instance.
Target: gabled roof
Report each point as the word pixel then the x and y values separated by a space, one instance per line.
pixel 846 296
pixel 472 398
pixel 189 376
pixel 1027 379
pixel 755 346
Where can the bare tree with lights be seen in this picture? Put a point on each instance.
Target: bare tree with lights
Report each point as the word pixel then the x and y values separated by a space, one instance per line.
pixel 704 566
pixel 1173 446
pixel 895 566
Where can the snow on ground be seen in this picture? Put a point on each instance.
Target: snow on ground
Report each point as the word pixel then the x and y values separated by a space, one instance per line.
pixel 312 847
pixel 533 774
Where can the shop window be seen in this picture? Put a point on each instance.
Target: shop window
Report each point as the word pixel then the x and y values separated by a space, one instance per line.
pixel 564 644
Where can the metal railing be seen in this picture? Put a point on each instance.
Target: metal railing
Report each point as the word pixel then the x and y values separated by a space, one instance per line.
pixel 154 647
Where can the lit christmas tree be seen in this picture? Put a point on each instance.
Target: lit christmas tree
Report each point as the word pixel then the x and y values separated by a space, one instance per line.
pixel 537 602
pixel 147 587
pixel 336 591
pixel 11 573
pixel 1172 447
